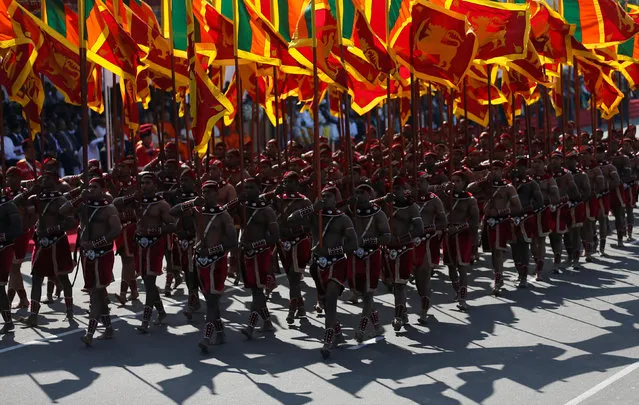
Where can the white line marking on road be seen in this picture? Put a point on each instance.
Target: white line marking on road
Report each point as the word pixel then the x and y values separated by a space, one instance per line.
pixel 366 343
pixel 67 333
pixel 608 381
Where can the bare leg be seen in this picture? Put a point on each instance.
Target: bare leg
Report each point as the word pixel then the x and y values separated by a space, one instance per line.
pixel 5 309
pixel 498 268
pixel 463 287
pixel 422 280
pixel 555 244
pixel 333 290
pixel 401 315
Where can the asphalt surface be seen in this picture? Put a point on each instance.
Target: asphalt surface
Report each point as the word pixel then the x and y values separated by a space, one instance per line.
pixel 571 340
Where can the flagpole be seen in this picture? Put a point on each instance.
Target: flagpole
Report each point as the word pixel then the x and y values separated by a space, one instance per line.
pixel 413 109
pixel 528 127
pixel 316 149
pixel 4 162
pixel 490 118
pixel 174 120
pixel 467 134
pixel 429 99
pixel 344 108
pixel 451 138
pixel 84 123
pixel 577 100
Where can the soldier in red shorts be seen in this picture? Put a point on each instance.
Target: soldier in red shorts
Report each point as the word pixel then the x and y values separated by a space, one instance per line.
pixel 10 230
pixel 428 249
pixel 21 244
pixel 550 192
pixel 497 231
pixel 216 234
pixel 406 225
pixel 153 222
pixel 99 226
pixel 577 207
pixel 365 266
pixel 336 239
pixel 52 254
pixel 184 239
pixel 292 209
pixel 259 234
pixel 525 224
pixel 125 186
pixel 460 235
pixel 597 187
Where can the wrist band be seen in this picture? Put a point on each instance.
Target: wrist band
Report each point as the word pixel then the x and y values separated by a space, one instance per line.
pixel 258 244
pixel 99 242
pixel 188 205
pixel 216 249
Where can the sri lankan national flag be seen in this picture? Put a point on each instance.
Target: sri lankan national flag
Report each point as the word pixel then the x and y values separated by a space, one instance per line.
pixel 549 32
pixel 329 67
pixel 443 44
pixel 278 19
pixel 502 29
pixel 599 23
pixel 475 104
pixel 385 17
pixel 58 56
pixel 227 24
pixel 17 62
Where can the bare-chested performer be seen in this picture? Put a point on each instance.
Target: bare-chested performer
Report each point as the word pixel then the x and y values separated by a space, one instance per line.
pixel 568 191
pixel 292 210
pixel 260 233
pixel 427 252
pixel 406 225
pixel 335 240
pixel 525 224
pixel 99 227
pixel 10 230
pixel 631 184
pixel 365 266
pixel 460 235
pixel 621 196
pixel 126 186
pixel 216 234
pixel 153 222
pixel 503 201
pixel 550 192
pixel 592 201
pixel 52 254
pixel 612 182
pixel 577 208
pixel 184 239
pixel 21 243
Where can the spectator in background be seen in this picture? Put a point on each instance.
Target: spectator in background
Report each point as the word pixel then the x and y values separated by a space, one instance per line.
pixel 26 164
pixel 12 149
pixel 145 151
pixel 67 152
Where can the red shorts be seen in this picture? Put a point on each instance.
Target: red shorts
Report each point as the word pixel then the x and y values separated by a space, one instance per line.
pixel 296 253
pixel 497 237
pixel 363 274
pixel 182 255
pixel 399 262
pixel 578 214
pixel 527 229
pixel 21 244
pixel 562 219
pixel 335 268
pixel 148 259
pixel 428 250
pixel 458 248
pixel 592 209
pixel 212 272
pixel 604 204
pixel 98 272
pixel 125 242
pixel 545 223
pixel 619 198
pixel 54 260
pixel 6 258
pixel 256 268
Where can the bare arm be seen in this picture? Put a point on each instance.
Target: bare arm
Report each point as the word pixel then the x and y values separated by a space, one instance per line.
pixel 416 223
pixel 440 215
pixel 515 203
pixel 473 222
pixel 349 236
pixel 14 228
pixel 553 191
pixel 273 234
pixel 182 209
pixel 382 228
pixel 170 224
pixel 115 226
pixel 229 240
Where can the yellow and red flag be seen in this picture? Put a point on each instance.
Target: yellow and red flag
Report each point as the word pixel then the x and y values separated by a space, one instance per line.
pixel 502 29
pixel 599 23
pixel 443 44
pixel 330 68
pixel 549 32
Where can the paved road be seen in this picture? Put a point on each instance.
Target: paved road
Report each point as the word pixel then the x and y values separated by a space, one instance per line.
pixel 572 339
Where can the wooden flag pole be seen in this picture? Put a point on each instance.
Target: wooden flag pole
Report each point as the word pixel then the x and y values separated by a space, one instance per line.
pixel 316 136
pixel 467 133
pixel 84 123
pixel 577 100
pixel 4 161
pixel 277 128
pixel 490 118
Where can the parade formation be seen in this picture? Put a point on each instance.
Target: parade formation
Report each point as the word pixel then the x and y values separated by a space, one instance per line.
pixel 415 193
